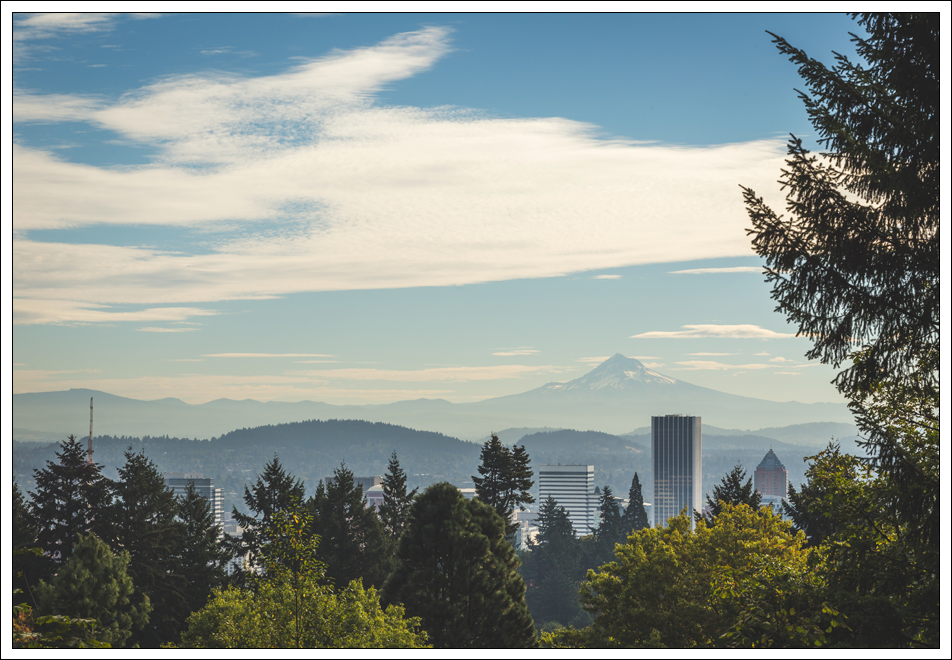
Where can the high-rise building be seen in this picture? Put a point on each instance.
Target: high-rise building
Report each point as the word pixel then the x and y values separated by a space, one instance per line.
pixel 770 477
pixel 573 487
pixel 676 458
pixel 178 482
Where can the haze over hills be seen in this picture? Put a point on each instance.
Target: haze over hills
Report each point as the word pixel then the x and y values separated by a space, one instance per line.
pixel 616 396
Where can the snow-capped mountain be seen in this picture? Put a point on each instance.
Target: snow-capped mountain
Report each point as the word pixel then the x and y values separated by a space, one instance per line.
pixel 617 373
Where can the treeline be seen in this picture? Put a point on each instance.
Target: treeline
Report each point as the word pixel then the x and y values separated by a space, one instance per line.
pixel 123 562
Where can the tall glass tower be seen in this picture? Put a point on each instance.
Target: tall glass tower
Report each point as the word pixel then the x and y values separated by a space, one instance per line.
pixel 676 458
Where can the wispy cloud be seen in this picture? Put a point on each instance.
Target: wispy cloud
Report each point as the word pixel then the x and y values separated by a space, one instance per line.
pixel 701 365
pixel 782 360
pixel 29 28
pixel 607 277
pixel 264 355
pixel 36 311
pixel 437 374
pixel 711 354
pixel 705 271
pixel 718 331
pixel 593 360
pixel 313 186
pixel 517 351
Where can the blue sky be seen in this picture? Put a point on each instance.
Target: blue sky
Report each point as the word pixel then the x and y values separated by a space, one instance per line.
pixel 371 208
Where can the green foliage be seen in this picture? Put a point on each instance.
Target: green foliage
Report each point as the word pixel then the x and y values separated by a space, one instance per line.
pixel 506 479
pixel 609 530
pixel 28 560
pixel 94 584
pixel 203 556
pixel 666 585
pixel 70 499
pixel 54 631
pixel 291 607
pixel 395 509
pixel 144 523
pixel 457 571
pixel 553 568
pixel 878 574
pixel 731 490
pixel 858 260
pixel 353 542
pixel 635 517
pixel 273 491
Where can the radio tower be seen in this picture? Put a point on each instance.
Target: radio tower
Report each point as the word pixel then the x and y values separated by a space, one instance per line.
pixel 89 451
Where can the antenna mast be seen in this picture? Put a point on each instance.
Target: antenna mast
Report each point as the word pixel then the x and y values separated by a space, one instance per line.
pixel 89 451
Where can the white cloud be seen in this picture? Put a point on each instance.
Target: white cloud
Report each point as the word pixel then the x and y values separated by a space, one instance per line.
pixel 787 373
pixel 32 27
pixel 166 329
pixel 607 277
pixel 701 365
pixel 517 351
pixel 704 271
pixel 437 374
pixel 646 357
pixel 719 331
pixel 264 355
pixel 762 353
pixel 593 360
pixel 33 311
pixel 783 360
pixel 311 186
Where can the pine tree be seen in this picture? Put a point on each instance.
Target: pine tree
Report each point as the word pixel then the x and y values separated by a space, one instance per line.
pixel 27 566
pixel 94 583
pixel 203 557
pixel 857 261
pixel 273 491
pixel 553 569
pixel 353 542
pixel 70 499
pixel 506 480
pixel 457 571
pixel 144 523
pixel 733 491
pixel 396 500
pixel 635 517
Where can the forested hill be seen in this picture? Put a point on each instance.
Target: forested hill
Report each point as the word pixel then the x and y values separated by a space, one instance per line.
pixel 309 450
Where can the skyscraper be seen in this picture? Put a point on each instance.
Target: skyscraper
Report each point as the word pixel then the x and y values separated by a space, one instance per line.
pixel 770 477
pixel 573 487
pixel 676 458
pixel 178 482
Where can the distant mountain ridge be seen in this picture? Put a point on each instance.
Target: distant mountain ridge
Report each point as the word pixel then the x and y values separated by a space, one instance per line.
pixel 616 396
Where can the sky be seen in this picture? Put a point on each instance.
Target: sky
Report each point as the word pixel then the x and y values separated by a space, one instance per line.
pixel 374 208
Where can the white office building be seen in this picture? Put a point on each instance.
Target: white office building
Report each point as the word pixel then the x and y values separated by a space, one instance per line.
pixel 178 482
pixel 573 487
pixel 676 458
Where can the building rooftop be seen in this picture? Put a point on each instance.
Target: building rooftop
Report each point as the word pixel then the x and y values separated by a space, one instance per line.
pixel 771 462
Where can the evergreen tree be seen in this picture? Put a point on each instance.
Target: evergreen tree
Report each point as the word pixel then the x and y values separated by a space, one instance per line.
pixel 203 557
pixel 144 523
pixel 733 491
pixel 70 499
pixel 396 500
pixel 27 566
pixel 635 517
pixel 506 480
pixel 273 491
pixel 857 260
pixel 609 530
pixel 457 572
pixel 552 569
pixel 353 542
pixel 94 583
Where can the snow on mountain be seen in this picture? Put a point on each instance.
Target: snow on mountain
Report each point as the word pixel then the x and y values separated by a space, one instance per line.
pixel 617 373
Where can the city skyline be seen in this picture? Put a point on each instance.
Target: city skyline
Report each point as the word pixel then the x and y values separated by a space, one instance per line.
pixel 375 208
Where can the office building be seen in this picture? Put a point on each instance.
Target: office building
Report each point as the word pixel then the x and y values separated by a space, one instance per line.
pixel 676 458
pixel 178 482
pixel 770 477
pixel 573 487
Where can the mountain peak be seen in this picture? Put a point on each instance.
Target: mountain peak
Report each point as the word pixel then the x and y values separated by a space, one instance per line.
pixel 616 373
